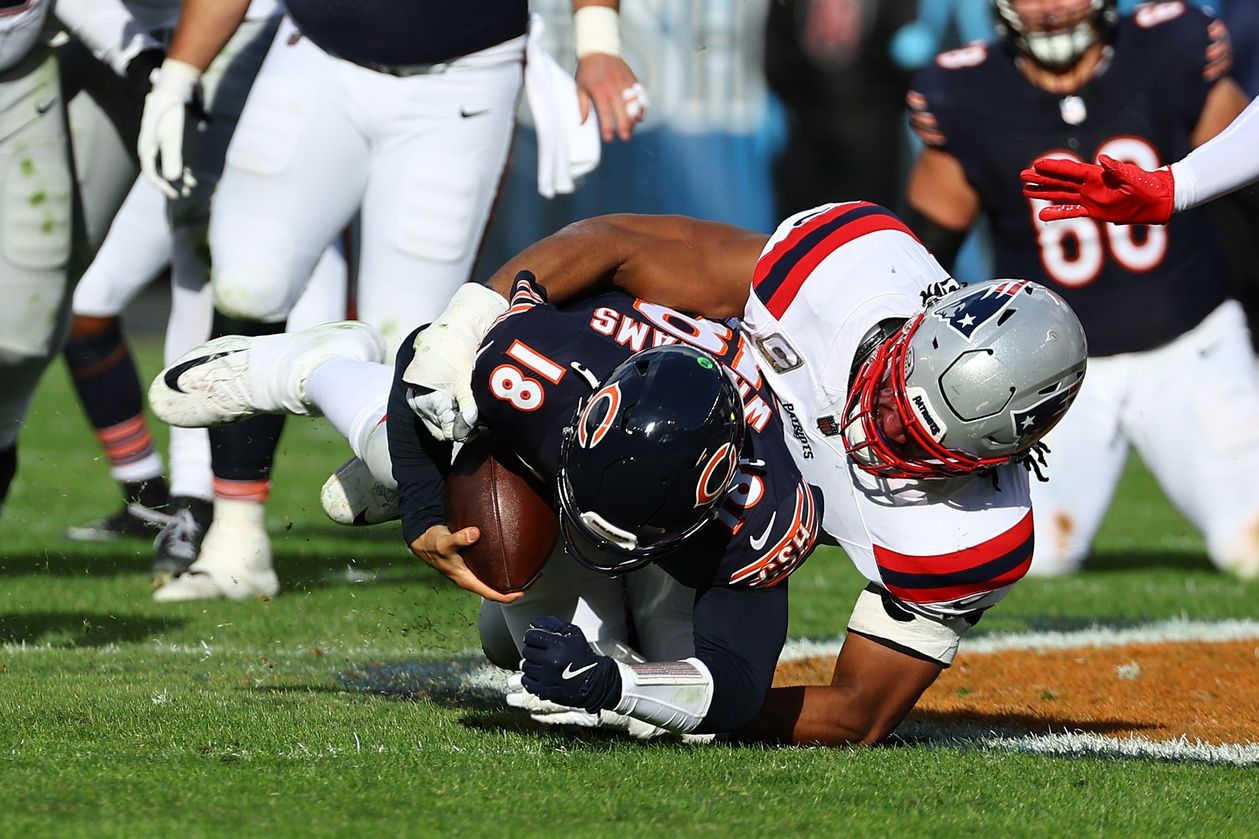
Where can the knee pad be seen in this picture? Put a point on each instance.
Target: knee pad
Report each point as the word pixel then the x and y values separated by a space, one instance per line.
pixel 254 275
pixel 36 209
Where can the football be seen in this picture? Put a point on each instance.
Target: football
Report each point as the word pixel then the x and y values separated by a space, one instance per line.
pixel 488 487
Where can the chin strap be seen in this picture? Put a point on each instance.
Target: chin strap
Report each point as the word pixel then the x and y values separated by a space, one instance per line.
pixel 674 695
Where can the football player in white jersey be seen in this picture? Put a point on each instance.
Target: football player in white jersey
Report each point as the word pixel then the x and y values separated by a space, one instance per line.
pixel 915 406
pixel 405 109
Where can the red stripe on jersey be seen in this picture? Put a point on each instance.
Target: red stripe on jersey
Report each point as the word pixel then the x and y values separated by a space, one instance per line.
pixel 789 285
pixel 970 571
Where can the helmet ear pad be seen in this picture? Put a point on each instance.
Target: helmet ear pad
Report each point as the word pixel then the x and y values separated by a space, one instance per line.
pixel 649 457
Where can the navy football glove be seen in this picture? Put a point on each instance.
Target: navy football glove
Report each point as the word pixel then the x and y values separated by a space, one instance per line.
pixel 559 665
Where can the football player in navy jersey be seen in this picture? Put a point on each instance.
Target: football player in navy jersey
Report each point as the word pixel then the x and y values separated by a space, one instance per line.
pixel 912 404
pixel 1072 79
pixel 666 454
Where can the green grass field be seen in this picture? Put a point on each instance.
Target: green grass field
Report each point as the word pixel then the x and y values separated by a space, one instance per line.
pixel 120 717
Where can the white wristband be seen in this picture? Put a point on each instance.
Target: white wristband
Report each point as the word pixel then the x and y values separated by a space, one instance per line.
pixel 674 695
pixel 597 29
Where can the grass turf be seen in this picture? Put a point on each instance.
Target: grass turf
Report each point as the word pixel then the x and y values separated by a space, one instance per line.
pixel 120 717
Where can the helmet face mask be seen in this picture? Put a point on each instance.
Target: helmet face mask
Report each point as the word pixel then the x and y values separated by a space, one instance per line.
pixel 1056 44
pixel 975 380
pixel 648 458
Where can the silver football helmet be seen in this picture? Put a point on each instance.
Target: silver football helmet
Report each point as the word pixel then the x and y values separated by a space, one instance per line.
pixel 977 379
pixel 1059 48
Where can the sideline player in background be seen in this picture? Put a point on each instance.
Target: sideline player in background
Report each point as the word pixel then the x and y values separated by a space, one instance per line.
pixel 62 186
pixel 1070 78
pixel 860 334
pixel 404 110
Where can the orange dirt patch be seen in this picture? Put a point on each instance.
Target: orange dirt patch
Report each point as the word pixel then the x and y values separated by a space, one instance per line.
pixel 1206 691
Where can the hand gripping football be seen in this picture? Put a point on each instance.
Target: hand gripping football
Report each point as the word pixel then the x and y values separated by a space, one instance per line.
pixel 490 488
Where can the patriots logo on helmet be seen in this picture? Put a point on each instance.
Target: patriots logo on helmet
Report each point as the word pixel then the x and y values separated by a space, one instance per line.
pixel 1040 417
pixel 977 308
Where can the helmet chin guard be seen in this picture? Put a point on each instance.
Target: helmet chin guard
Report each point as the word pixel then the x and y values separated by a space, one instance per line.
pixel 977 380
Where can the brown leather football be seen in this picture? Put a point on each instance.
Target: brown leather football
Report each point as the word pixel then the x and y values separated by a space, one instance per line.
pixel 488 487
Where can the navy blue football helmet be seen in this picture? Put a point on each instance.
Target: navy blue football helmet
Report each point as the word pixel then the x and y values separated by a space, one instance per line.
pixel 648 458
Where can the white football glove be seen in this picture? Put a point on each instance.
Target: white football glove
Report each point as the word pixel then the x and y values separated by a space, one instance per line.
pixel 445 353
pixel 544 710
pixel 160 144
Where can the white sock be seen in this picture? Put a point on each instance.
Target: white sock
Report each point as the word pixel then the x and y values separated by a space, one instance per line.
pixel 353 395
pixel 190 472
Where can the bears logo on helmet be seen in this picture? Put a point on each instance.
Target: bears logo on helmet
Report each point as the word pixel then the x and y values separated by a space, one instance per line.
pixel 649 458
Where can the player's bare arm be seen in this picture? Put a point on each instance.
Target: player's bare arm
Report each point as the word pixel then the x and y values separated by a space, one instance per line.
pixel 1224 104
pixel 871 691
pixel 943 205
pixel 205 27
pixel 701 267
pixel 605 82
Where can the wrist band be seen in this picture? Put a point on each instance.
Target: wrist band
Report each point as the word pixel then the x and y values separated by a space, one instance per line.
pixel 597 29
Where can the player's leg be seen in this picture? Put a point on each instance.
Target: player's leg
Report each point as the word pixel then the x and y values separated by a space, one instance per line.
pixel 35 233
pixel 566 590
pixel 663 612
pixel 105 168
pixel 434 176
pixel 290 181
pixel 1087 455
pixel 1194 417
pixel 179 543
pixel 103 369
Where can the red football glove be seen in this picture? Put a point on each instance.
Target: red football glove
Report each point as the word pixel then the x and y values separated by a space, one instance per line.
pixel 1107 191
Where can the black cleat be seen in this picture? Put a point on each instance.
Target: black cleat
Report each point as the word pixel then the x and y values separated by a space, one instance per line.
pixel 133 521
pixel 179 543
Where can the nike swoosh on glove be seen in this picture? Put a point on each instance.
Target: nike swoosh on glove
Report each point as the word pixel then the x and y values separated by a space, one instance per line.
pixel 560 666
pixel 1109 190
pixel 545 711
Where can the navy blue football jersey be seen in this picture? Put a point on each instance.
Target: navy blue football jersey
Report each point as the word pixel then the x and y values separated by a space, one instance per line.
pixel 1134 287
pixel 408 32
pixel 538 363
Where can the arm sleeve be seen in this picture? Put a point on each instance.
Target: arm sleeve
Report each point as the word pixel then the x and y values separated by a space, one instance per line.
pixel 107 29
pixel 1226 162
pixel 739 633
pixel 420 463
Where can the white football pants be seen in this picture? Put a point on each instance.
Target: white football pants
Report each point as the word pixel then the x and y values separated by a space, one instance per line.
pixel 421 155
pixel 1191 410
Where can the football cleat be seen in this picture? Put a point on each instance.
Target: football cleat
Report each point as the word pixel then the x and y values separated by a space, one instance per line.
pixel 134 520
pixel 234 562
pixel 353 496
pixel 235 377
pixel 179 543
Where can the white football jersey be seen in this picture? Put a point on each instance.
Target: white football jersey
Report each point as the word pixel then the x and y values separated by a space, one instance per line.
pixel 825 279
